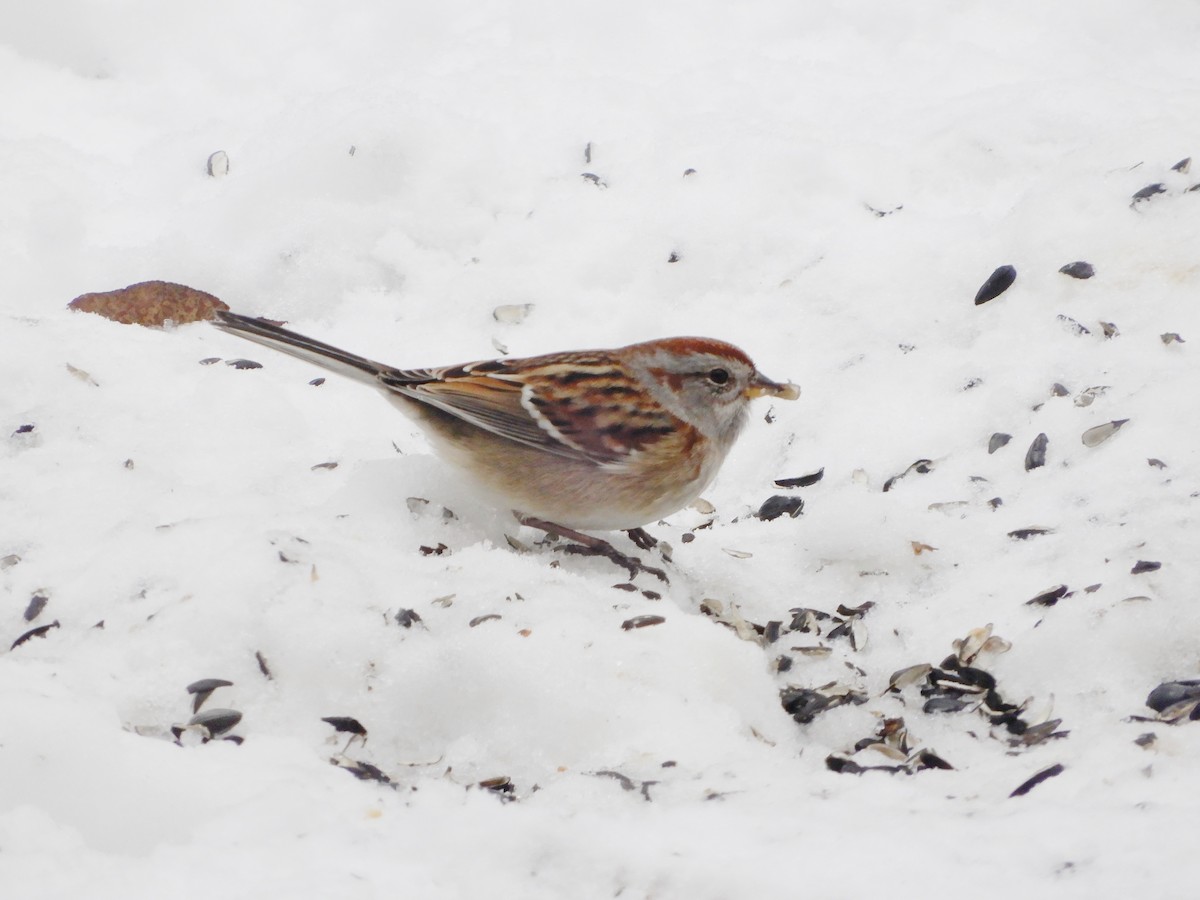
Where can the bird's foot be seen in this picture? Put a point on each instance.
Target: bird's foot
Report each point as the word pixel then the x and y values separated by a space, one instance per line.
pixel 586 545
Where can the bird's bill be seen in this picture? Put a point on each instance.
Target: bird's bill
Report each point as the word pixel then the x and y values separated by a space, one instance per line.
pixel 765 387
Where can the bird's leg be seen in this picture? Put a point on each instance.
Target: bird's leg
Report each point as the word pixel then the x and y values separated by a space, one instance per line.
pixel 642 538
pixel 587 545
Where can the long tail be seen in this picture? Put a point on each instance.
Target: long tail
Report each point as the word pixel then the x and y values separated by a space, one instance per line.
pixel 325 355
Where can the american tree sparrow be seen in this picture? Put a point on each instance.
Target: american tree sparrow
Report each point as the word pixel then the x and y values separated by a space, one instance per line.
pixel 591 439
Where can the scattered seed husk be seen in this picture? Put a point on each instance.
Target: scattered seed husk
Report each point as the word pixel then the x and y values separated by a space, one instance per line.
pixel 419 506
pixel 501 787
pixel 1024 534
pixel 927 759
pixel 9 560
pixel 243 364
pixel 1078 269
pixel 1097 435
pixel 801 481
pixel 1145 565
pixel 627 783
pixel 858 634
pixel 487 617
pixel 217 165
pixel 1087 396
pixel 1049 597
pixel 594 179
pixel 1156 463
pixel 1058 390
pixel 945 704
pixel 997 283
pixel 966 649
pixel 216 721
pixel 1183 165
pixel 1172 693
pixel 996 644
pixel 362 770
pixel 807 621
pixel 1039 734
pixel 36 604
pixel 440 550
pixel 346 725
pixel 732 618
pixel 780 505
pixel 82 376
pixel 642 622
pixel 843 766
pixel 804 704
pixel 1146 740
pixel 209 360
pixel 1073 326
pixel 817 651
pixel 921 467
pixel 407 618
pixel 1172 337
pixel 1148 191
pixel 1110 329
pixel 39 632
pixel 317 382
pixel 203 689
pixel 1029 784
pixel 262 665
pixel 998 440
pixel 738 554
pixel 512 313
pixel 1185 709
pixel 880 213
pixel 325 466
pixel 1035 457
pixel 907 676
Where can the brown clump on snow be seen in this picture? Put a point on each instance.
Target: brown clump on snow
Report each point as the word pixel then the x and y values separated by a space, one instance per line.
pixel 151 303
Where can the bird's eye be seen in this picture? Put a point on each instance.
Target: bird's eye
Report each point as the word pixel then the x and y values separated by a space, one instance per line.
pixel 718 376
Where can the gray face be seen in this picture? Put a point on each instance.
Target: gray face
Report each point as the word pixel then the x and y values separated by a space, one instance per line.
pixel 706 389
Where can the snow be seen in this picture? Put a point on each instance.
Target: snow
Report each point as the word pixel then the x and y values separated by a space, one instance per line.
pixel 1000 134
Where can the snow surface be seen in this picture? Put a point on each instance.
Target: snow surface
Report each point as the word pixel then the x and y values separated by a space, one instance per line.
pixel 999 133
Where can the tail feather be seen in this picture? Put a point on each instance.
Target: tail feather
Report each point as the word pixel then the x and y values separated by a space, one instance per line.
pixel 325 355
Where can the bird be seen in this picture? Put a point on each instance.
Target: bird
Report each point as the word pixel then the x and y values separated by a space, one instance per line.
pixel 584 440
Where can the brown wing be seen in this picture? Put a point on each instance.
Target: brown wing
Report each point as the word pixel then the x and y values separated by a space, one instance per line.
pixel 575 405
